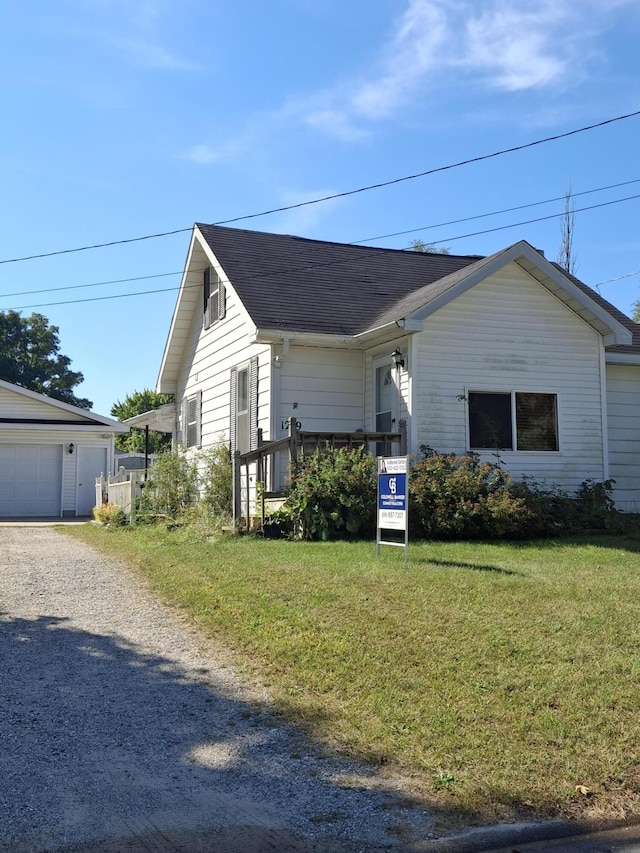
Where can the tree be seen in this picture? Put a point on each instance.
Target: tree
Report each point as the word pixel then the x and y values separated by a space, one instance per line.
pixel 30 357
pixel 567 226
pixel 428 248
pixel 636 311
pixel 137 404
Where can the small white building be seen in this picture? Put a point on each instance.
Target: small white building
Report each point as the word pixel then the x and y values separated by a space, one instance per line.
pixel 50 455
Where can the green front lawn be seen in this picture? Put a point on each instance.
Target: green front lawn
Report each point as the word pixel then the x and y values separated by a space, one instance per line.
pixel 499 678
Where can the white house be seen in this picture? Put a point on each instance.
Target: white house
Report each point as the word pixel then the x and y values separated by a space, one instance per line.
pixel 508 355
pixel 50 455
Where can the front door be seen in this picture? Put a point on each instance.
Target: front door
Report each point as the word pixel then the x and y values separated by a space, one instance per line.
pixel 385 401
pixel 92 461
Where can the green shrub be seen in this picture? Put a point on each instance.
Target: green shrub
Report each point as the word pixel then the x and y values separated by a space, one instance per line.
pixel 463 498
pixel 556 512
pixel 109 514
pixel 460 497
pixel 170 489
pixel 333 494
pixel 215 480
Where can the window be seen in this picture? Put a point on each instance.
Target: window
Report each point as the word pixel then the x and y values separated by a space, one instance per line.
pixel 244 407
pixel 191 415
pixel 493 416
pixel 214 298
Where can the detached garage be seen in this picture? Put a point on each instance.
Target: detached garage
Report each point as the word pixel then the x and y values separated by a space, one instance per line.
pixel 50 455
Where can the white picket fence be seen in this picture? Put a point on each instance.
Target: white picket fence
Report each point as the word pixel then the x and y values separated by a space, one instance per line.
pixel 120 489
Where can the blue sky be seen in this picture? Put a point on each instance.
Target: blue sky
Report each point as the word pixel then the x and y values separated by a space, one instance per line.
pixel 126 118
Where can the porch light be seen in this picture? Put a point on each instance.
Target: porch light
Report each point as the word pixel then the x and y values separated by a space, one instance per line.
pixel 70 448
pixel 397 358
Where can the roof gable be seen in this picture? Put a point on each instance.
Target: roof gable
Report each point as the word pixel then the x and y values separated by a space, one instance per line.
pixel 575 295
pixel 21 405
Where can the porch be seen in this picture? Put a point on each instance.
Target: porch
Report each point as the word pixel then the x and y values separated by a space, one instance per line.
pixel 253 471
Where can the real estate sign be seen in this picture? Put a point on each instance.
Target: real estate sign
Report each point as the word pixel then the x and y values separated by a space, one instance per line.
pixel 393 505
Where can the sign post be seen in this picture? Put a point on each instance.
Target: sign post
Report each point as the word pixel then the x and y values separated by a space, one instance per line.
pixel 393 501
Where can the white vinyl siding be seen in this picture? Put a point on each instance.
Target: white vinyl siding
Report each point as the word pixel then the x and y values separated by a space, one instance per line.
pixel 16 405
pixel 508 333
pixel 322 389
pixel 623 409
pixel 208 360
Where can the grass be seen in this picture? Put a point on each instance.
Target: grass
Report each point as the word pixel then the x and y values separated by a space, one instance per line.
pixel 501 679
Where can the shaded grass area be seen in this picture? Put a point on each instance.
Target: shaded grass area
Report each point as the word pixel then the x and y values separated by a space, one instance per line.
pixel 499 678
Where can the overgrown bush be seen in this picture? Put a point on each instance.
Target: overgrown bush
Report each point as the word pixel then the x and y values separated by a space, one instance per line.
pixel 460 497
pixel 170 489
pixel 215 479
pixel 333 493
pixel 109 514
pixel 556 512
pixel 193 489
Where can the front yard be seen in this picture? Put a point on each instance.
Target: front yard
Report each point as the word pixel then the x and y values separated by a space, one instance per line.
pixel 499 679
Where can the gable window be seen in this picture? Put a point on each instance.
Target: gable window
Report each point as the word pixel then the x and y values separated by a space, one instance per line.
pixel 513 420
pixel 244 407
pixel 214 307
pixel 191 417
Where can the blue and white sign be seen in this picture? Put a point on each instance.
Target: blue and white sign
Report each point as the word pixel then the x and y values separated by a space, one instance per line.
pixel 392 493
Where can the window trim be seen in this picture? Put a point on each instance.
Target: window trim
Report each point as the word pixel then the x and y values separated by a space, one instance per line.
pixel 512 392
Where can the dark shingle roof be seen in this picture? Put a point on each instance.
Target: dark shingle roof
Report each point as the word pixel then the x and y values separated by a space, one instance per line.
pixel 300 285
pixel 303 285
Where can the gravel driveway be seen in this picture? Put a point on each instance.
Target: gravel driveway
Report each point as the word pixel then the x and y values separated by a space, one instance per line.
pixel 120 730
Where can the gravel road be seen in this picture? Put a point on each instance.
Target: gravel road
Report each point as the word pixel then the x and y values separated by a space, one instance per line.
pixel 123 731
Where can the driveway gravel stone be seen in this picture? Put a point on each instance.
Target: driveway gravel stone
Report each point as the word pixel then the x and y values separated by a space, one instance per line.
pixel 122 730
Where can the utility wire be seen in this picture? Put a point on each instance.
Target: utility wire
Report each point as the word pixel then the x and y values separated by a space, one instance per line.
pixel 93 284
pixel 330 263
pixel 538 219
pixel 495 212
pixel 352 242
pixel 344 194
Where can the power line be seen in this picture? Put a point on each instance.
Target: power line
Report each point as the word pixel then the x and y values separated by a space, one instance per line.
pixel 380 185
pixel 538 219
pixel 93 284
pixel 495 212
pixel 617 278
pixel 331 263
pixel 357 242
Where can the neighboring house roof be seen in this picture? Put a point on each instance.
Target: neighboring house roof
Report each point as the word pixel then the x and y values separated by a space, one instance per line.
pixel 293 286
pixel 55 413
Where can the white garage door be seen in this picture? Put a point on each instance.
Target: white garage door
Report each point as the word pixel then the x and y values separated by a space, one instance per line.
pixel 30 480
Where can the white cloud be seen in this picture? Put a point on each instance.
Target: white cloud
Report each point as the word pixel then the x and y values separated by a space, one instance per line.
pixel 147 54
pixel 508 45
pixel 440 46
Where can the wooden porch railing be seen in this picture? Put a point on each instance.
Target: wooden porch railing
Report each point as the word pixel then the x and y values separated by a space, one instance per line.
pixel 298 442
